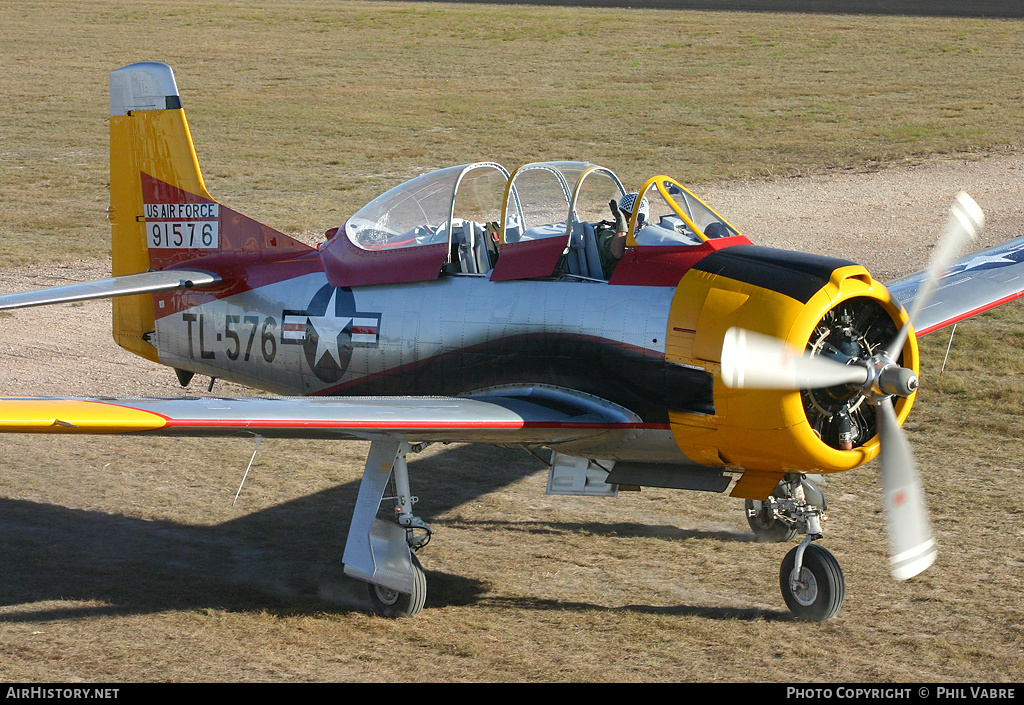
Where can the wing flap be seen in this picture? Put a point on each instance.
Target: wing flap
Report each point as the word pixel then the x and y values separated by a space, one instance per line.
pixel 491 419
pixel 976 283
pixel 126 285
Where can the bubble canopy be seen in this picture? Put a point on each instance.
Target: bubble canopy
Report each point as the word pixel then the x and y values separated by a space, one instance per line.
pixel 479 219
pixel 419 211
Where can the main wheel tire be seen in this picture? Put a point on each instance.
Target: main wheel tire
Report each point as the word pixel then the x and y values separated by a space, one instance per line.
pixel 766 528
pixel 394 604
pixel 818 592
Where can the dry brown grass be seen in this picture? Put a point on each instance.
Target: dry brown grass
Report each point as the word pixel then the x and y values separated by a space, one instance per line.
pixel 305 110
pixel 125 561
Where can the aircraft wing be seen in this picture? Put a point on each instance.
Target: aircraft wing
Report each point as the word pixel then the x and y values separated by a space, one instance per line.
pixel 526 417
pixel 976 283
pixel 126 285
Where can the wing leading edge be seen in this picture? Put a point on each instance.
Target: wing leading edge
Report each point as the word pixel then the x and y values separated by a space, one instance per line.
pixel 486 419
pixel 976 283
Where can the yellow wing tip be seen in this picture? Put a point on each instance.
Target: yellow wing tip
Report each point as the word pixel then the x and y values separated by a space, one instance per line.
pixel 73 416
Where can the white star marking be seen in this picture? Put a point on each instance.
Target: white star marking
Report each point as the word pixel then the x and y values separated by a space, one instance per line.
pixel 327 327
pixel 982 260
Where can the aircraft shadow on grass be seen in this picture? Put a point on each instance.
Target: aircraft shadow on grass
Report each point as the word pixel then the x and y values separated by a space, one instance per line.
pixel 286 558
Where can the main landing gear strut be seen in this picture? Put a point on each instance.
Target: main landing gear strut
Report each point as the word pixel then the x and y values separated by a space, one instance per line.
pixel 811 580
pixel 382 552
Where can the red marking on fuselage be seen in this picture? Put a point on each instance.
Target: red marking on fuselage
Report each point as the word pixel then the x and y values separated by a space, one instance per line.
pixel 665 265
pixel 528 259
pixel 348 265
pixel 249 255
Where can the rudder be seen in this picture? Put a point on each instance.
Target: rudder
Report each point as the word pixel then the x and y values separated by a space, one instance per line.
pixel 161 214
pixel 148 135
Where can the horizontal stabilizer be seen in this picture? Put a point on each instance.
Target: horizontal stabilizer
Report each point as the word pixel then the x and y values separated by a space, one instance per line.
pixel 143 283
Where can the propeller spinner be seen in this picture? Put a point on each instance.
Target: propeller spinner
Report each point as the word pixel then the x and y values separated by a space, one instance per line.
pixel 754 361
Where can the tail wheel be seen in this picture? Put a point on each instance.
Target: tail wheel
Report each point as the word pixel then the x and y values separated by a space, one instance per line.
pixel 394 604
pixel 817 593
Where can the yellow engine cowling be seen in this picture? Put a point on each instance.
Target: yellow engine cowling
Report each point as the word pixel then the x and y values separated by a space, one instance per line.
pixel 769 433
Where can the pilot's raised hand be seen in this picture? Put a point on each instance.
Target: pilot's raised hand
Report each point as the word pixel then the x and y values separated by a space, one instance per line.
pixel 620 219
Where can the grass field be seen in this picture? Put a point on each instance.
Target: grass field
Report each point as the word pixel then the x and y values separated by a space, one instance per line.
pixel 354 97
pixel 124 562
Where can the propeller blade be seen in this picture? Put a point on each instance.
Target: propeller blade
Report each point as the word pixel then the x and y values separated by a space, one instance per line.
pixel 966 220
pixel 912 548
pixel 754 361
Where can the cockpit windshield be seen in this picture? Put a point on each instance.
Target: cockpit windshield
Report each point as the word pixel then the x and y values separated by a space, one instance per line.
pixel 668 214
pixel 418 212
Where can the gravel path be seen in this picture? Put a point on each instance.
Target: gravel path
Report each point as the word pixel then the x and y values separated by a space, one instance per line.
pixel 886 219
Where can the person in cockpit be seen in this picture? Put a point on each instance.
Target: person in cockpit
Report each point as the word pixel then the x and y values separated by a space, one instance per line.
pixel 611 235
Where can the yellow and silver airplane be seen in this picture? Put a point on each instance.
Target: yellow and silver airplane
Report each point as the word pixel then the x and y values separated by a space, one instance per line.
pixel 479 304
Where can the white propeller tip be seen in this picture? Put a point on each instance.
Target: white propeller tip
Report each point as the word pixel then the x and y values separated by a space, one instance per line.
pixel 910 563
pixel 969 213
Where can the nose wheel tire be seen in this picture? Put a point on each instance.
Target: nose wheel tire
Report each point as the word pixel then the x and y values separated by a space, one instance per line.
pixel 394 604
pixel 817 593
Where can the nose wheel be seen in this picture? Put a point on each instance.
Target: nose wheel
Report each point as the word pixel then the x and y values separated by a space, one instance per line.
pixel 810 577
pixel 812 582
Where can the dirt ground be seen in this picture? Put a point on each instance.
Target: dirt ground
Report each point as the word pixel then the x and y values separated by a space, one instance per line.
pixel 191 595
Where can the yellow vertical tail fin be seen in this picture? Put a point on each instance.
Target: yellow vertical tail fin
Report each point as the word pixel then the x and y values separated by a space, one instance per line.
pixel 161 214
pixel 148 135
